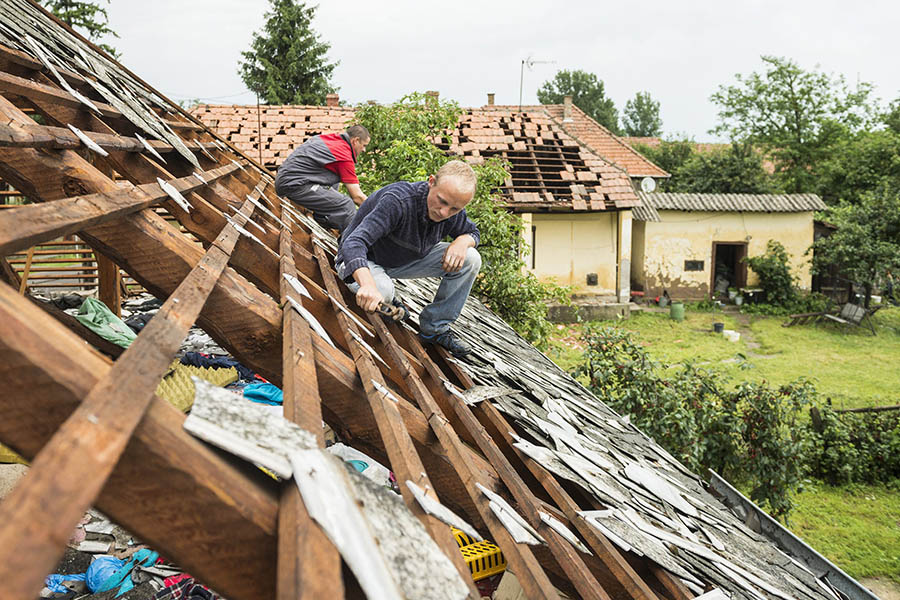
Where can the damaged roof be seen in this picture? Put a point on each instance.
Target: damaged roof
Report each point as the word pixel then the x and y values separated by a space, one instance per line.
pixel 549 168
pixel 604 142
pixel 577 498
pixel 777 203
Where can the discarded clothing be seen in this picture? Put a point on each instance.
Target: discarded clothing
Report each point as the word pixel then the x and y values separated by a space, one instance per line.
pixel 94 315
pixel 264 393
pixel 137 322
pixel 184 587
pixel 218 362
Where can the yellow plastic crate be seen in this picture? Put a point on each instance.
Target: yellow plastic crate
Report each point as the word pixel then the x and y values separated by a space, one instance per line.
pixel 483 558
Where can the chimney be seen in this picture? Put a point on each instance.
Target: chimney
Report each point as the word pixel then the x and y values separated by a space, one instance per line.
pixel 332 100
pixel 433 94
pixel 491 99
pixel 567 109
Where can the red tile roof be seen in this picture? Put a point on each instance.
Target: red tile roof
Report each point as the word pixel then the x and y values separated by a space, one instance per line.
pixel 550 170
pixel 604 142
pixel 283 127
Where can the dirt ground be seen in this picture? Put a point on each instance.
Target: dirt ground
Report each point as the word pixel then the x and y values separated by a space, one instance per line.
pixel 884 589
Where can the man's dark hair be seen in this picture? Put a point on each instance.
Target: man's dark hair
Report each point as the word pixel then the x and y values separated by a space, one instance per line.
pixel 358 131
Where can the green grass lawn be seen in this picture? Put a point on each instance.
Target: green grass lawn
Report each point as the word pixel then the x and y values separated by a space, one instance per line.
pixel 856 527
pixel 848 365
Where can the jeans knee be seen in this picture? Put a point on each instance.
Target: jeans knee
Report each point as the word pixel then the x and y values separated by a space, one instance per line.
pixel 473 260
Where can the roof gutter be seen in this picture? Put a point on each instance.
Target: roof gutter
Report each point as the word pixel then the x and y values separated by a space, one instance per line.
pixel 789 543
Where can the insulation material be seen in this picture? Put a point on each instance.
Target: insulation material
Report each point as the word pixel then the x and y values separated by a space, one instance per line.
pixel 177 387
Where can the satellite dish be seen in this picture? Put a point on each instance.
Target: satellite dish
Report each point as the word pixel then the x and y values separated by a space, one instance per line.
pixel 648 185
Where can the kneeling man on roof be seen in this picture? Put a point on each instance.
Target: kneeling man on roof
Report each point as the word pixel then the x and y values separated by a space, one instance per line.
pixel 397 233
pixel 311 174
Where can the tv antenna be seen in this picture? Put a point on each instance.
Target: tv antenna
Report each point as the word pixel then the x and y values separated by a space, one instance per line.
pixel 529 62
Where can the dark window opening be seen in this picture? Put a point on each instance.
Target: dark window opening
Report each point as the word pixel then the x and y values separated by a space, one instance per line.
pixel 693 265
pixel 533 244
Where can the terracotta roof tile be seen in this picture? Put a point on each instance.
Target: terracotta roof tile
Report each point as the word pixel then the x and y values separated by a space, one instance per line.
pixel 546 161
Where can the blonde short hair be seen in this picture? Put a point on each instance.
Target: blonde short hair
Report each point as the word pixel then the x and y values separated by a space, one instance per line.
pixel 465 177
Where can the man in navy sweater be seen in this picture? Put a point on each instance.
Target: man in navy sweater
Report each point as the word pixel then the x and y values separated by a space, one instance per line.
pixel 397 233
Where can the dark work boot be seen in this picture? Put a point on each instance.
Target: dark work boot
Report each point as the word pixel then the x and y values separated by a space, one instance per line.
pixel 449 342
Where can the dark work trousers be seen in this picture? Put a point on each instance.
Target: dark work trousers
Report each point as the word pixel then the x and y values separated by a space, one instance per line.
pixel 330 208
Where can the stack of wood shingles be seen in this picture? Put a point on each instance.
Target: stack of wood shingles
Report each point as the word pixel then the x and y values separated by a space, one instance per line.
pixel 283 128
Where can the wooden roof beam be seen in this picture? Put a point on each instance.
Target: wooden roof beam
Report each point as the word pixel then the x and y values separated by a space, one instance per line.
pixel 309 566
pixel 31 224
pixel 175 492
pixel 34 90
pixel 71 469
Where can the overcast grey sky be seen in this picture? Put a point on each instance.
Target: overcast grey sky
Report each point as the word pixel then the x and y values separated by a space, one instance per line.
pixel 678 51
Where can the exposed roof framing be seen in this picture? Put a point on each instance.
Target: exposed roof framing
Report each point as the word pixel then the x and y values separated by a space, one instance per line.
pixel 549 168
pixel 619 517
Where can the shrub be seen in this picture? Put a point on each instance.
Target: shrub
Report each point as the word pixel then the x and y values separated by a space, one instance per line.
pixel 748 435
pixel 854 447
pixel 774 272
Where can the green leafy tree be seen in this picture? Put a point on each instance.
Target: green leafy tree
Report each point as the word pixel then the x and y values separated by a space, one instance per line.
pixel 738 169
pixel 734 170
pixel 89 17
pixel 587 94
pixel 866 244
pixel 641 116
pixel 403 149
pixel 669 155
pixel 287 62
pixel 796 116
pixel 859 164
pixel 891 117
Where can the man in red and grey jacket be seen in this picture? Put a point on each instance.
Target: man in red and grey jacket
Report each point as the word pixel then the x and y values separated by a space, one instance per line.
pixel 311 174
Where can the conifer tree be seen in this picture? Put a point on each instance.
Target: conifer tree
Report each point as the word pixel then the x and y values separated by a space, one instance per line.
pixel 287 62
pixel 88 17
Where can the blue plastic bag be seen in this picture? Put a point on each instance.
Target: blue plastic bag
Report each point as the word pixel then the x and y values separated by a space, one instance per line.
pixel 113 573
pixel 55 582
pixel 101 569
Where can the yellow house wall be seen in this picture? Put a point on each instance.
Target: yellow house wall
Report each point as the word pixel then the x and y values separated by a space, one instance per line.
pixel 684 236
pixel 569 246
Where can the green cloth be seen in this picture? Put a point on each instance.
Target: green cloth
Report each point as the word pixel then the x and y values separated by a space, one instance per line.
pixel 95 315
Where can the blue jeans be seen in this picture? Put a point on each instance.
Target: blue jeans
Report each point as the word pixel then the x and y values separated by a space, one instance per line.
pixel 451 294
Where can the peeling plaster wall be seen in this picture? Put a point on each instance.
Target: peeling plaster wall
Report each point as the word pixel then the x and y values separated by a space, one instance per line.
pixel 682 236
pixel 569 246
